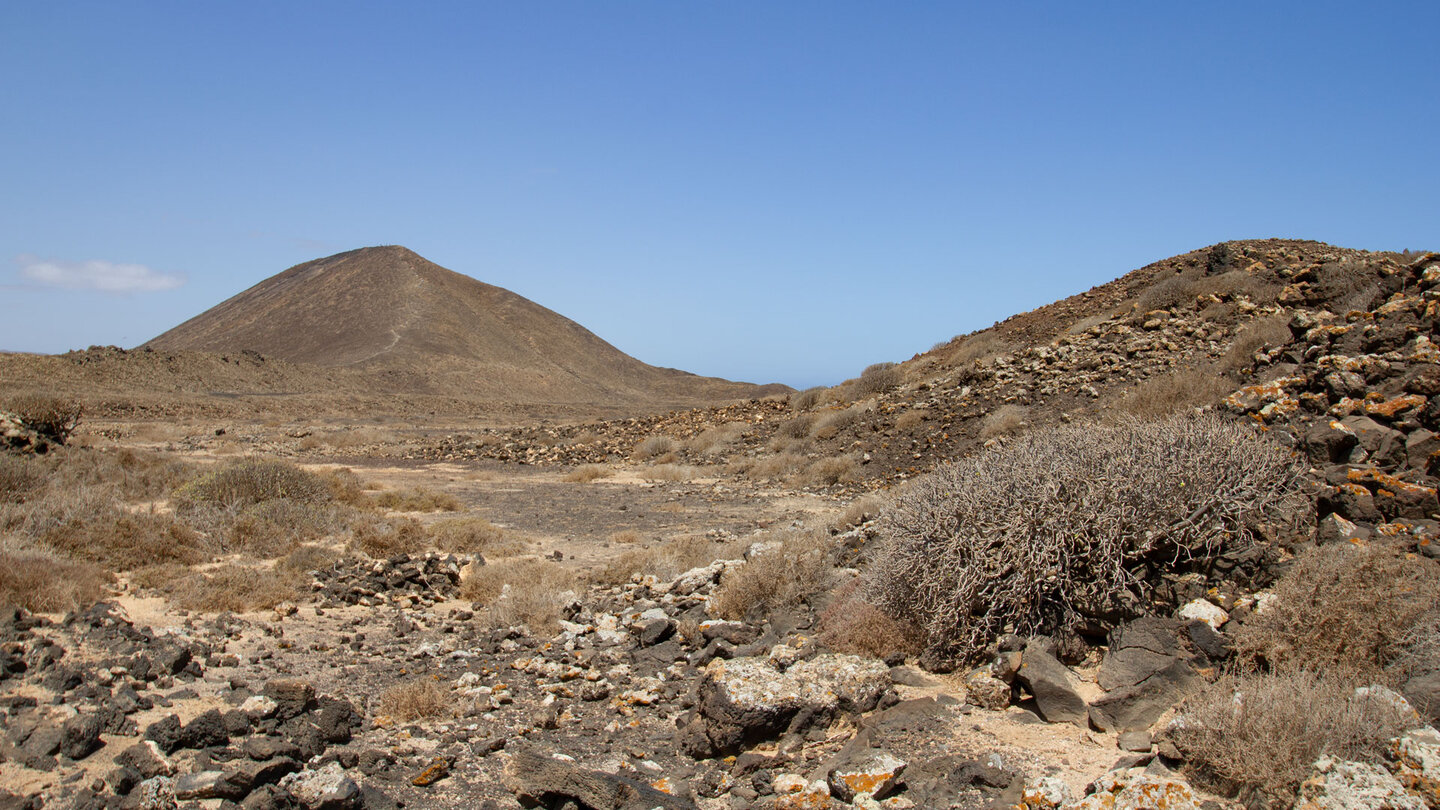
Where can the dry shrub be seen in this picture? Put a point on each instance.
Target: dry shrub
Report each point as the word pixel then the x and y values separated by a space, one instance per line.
pixel 671 472
pixel 850 625
pixel 1257 735
pixel 1347 284
pixel 345 487
pixel 132 474
pixel 242 483
pixel 389 537
pixel 1261 333
pixel 1169 293
pixel 781 465
pixel 796 427
pixel 877 379
pixel 233 587
pixel 807 399
pixel 1059 531
pixel 53 417
pixel 654 447
pixel 826 472
pixel 1259 289
pixel 417 499
pixel 45 583
pixel 1342 608
pixel 666 561
pixel 911 419
pixel 418 699
pixel 1003 421
pixel 306 558
pixel 586 473
pixel 979 346
pixel 627 536
pixel 522 590
pixel 716 439
pixel 473 535
pixel 123 541
pixel 1182 390
pixel 785 576
pixel 860 510
pixel 272 528
pixel 827 425
pixel 19 477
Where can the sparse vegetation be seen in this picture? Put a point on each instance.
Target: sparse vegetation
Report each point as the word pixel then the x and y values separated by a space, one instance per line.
pixel 1343 609
pixel 1257 735
pixel 1179 391
pixel 654 447
pixel 382 538
pixel 1003 421
pixel 877 379
pixel 796 568
pixel 473 535
pixel 417 499
pixel 54 418
pixel 237 484
pixel 828 471
pixel 1262 333
pixel 416 699
pixel 586 473
pixel 46 583
pixel 522 590
pixel 830 423
pixel 1054 531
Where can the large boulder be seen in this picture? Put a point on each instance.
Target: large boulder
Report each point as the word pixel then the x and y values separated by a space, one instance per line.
pixel 1341 785
pixel 1055 688
pixel 1146 670
pixel 745 701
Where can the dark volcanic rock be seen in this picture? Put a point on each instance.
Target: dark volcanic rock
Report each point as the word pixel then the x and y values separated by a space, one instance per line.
pixel 549 781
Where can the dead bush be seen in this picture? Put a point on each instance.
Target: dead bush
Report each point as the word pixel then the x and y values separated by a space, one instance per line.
pixel 911 419
pixel 345 487
pixel 1173 393
pixel 671 473
pixel 1168 293
pixel 807 399
pixel 1262 333
pixel 242 483
pixel 417 699
pixel 45 583
pixel 1256 736
pixel 850 625
pixel 1342 608
pixel 628 536
pixel 829 471
pixel 669 559
pixel 877 379
pixel 473 535
pixel 306 558
pixel 417 499
pixel 381 539
pixel 122 541
pixel 716 439
pixel 272 528
pixel 233 587
pixel 797 427
pixel 586 473
pixel 830 423
pixel 791 573
pixel 860 510
pixel 1057 532
pixel 54 418
pixel 654 447
pixel 1003 421
pixel 979 346
pixel 522 590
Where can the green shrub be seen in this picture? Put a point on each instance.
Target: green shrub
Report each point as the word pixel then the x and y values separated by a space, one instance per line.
pixel 1058 532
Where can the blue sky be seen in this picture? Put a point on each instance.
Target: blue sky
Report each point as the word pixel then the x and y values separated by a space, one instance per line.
pixel 763 191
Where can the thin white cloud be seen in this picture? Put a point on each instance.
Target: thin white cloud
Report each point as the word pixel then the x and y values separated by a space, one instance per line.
pixel 96 274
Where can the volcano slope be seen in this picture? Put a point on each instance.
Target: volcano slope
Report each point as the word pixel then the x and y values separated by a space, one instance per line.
pixel 741 666
pixel 374 330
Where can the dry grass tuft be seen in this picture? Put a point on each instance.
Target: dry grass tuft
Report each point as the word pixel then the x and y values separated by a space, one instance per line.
pixel 382 538
pixel 654 447
pixel 830 423
pixel 876 379
pixel 245 482
pixel 1003 421
pixel 586 473
pixel 671 473
pixel 474 535
pixel 1182 390
pixel 522 590
pixel 1257 735
pixel 417 499
pixel 826 472
pixel 716 439
pixel 418 699
pixel 233 587
pixel 1343 609
pixel 850 625
pixel 786 576
pixel 45 583
pixel 671 558
pixel 1262 333
pixel 809 398
pixel 911 419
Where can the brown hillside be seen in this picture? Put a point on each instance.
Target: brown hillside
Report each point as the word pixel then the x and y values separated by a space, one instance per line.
pixel 413 326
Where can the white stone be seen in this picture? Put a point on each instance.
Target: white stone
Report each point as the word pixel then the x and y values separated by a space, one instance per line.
pixel 1205 611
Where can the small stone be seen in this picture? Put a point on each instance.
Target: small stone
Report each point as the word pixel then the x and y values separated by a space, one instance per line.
pixel 438 769
pixel 1205 611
